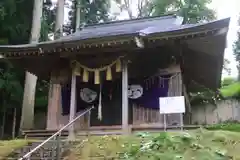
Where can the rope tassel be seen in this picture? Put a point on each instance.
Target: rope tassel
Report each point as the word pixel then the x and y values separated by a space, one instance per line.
pixel 96 77
pixel 85 75
pixel 77 71
pixel 109 74
pixel 118 65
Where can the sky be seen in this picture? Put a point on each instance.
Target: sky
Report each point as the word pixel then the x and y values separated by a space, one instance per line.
pixel 224 9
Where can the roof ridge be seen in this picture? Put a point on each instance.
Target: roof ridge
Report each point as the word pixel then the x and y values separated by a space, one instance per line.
pixel 90 26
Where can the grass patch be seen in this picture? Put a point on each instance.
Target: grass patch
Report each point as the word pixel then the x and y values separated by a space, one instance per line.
pixel 104 146
pixel 227 126
pixel 7 147
pixel 198 145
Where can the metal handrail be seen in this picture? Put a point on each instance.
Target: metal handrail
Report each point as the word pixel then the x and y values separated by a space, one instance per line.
pixel 55 134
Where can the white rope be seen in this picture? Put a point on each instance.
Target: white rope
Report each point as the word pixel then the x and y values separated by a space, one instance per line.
pixel 94 69
pixel 100 102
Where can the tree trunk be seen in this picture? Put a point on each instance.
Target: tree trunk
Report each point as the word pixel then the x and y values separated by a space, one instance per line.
pixel 59 19
pixel 14 122
pixel 54 97
pixel 27 118
pixel 78 12
pixel 3 122
pixel 71 135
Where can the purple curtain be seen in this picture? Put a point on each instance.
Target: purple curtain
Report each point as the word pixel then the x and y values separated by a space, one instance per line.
pixel 66 94
pixel 152 91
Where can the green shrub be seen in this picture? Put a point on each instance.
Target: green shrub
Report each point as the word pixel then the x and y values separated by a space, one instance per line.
pixel 168 146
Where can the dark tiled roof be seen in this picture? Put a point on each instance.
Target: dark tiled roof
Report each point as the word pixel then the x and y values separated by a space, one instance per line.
pixel 125 27
pixel 166 25
pixel 115 28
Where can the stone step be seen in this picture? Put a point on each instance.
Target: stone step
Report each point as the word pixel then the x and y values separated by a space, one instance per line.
pixel 102 130
pixel 48 150
pixel 43 134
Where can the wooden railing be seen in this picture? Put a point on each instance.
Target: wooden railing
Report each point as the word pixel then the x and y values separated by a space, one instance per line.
pixel 149 116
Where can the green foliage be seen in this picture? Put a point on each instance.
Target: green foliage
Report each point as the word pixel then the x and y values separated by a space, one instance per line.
pixel 227 81
pixel 41 99
pixel 172 147
pixel 11 89
pixel 16 21
pixel 226 67
pixel 203 97
pixel 193 11
pixel 91 13
pixel 48 20
pixel 230 88
pixel 16 18
pixel 231 91
pixel 200 144
pixel 237 49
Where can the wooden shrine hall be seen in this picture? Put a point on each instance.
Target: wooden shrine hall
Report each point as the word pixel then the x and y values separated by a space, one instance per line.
pixel 121 68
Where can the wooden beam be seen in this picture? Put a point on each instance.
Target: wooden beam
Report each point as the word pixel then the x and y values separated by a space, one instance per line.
pixel 54 106
pixel 125 126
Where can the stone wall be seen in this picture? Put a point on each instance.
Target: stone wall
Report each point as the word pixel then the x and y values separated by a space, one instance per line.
pixel 210 114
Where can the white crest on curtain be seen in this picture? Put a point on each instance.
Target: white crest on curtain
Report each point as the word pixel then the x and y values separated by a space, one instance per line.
pixel 88 95
pixel 135 91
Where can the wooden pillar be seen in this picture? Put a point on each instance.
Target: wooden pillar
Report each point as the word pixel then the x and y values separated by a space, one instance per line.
pixel 188 104
pixel 125 126
pixel 54 105
pixel 27 118
pixel 72 106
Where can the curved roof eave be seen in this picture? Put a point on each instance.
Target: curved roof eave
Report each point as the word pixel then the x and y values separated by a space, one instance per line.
pixel 183 30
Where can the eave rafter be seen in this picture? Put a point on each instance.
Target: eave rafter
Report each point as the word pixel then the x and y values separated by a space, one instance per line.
pixel 86 47
pixel 73 47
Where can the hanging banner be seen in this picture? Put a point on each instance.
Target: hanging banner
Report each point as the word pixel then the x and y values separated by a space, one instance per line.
pixel 88 95
pixel 135 91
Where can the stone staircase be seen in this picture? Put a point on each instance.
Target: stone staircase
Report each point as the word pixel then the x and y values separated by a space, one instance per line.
pixel 102 130
pixel 54 146
pixel 93 131
pixel 47 152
